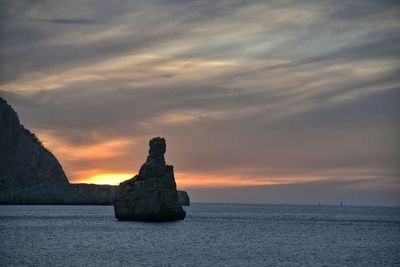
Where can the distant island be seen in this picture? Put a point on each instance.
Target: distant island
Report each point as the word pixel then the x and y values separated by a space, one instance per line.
pixel 31 174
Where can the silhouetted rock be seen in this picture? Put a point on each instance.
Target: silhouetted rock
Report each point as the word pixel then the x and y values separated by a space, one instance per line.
pixel 25 165
pixel 183 198
pixel 151 195
pixel 31 174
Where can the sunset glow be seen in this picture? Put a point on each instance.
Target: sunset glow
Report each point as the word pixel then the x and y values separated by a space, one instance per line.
pixel 188 180
pixel 106 178
pixel 192 180
pixel 109 162
pixel 103 149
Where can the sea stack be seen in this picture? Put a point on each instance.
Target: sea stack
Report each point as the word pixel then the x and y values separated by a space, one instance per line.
pixel 151 195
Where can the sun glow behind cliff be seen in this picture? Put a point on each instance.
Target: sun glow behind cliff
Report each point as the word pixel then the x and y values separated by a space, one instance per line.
pixel 105 178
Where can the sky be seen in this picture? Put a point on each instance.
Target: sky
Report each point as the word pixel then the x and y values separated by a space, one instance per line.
pixel 259 101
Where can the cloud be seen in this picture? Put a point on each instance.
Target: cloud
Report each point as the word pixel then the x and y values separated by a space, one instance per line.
pixel 66 21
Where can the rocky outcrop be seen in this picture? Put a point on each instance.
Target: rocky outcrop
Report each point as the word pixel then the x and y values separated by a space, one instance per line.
pixel 31 174
pixel 183 198
pixel 151 195
pixel 28 171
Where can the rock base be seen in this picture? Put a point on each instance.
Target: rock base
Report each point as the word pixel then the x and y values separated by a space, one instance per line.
pixel 153 200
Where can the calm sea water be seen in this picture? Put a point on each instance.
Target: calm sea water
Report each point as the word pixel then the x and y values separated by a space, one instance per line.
pixel 212 234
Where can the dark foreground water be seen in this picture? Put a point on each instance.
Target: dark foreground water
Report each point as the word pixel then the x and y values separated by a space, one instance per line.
pixel 212 234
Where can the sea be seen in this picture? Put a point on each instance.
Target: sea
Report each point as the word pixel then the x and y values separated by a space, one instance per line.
pixel 211 235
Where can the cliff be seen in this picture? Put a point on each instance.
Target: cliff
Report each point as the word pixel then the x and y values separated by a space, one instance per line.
pixel 31 174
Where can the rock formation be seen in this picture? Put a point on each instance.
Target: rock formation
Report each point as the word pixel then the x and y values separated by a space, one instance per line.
pixel 31 174
pixel 28 171
pixel 151 195
pixel 183 198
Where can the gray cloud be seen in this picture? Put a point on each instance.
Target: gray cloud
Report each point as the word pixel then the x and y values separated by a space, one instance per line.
pixel 66 21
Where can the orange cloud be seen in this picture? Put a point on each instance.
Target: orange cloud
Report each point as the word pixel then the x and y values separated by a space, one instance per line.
pixel 100 150
pixel 190 180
